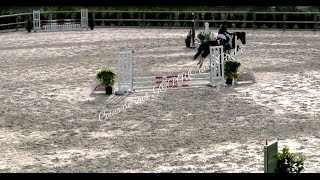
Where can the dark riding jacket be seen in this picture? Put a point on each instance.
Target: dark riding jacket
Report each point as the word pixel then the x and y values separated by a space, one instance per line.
pixel 223 30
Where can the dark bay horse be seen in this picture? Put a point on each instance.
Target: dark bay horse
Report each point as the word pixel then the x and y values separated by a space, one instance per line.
pixel 204 48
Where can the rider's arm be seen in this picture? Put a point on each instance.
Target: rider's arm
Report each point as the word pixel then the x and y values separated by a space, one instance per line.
pixel 228 33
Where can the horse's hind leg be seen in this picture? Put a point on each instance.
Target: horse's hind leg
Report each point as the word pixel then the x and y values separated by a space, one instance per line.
pixel 201 62
pixel 197 55
pixel 205 53
pixel 199 52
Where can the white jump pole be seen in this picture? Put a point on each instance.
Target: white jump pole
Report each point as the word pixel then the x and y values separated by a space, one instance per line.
pixel 216 64
pixel 125 71
pixel 53 26
pixel 206 28
pixel 36 21
pixel 84 19
pixel 124 74
pixel 235 46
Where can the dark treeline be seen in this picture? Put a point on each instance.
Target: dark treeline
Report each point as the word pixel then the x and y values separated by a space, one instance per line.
pixel 28 9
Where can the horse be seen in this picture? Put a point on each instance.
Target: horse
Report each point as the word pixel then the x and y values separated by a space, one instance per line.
pixel 204 48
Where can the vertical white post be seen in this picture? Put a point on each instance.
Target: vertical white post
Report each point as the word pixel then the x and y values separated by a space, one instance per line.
pixel 84 18
pixel 216 64
pixel 270 160
pixel 206 28
pixel 193 33
pixel 235 46
pixel 124 74
pixel 212 66
pixel 36 21
pixel 222 64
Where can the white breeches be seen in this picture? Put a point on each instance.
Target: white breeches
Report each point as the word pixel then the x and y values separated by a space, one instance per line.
pixel 222 36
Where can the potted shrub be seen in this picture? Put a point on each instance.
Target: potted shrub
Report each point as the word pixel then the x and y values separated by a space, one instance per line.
pixel 231 70
pixel 107 78
pixel 288 162
pixel 203 37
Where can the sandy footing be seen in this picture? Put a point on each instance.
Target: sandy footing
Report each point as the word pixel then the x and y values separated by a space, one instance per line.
pixel 49 119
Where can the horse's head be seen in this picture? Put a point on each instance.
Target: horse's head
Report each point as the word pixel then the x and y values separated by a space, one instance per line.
pixel 241 36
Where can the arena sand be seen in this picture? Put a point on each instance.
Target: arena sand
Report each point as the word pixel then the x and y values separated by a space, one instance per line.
pixel 49 116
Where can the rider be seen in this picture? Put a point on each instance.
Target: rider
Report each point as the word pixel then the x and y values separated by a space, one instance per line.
pixel 222 34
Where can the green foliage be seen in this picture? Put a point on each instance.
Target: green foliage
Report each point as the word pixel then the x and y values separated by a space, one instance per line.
pixel 106 77
pixel 203 37
pixel 286 9
pixel 295 26
pixel 176 24
pixel 185 24
pixel 7 11
pixel 231 69
pixel 289 163
pixel 307 26
pixel 264 26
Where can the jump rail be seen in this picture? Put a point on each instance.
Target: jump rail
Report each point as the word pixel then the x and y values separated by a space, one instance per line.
pixel 61 24
pixel 128 83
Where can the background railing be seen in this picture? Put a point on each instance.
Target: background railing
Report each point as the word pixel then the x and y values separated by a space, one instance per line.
pixel 179 19
pixel 14 21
